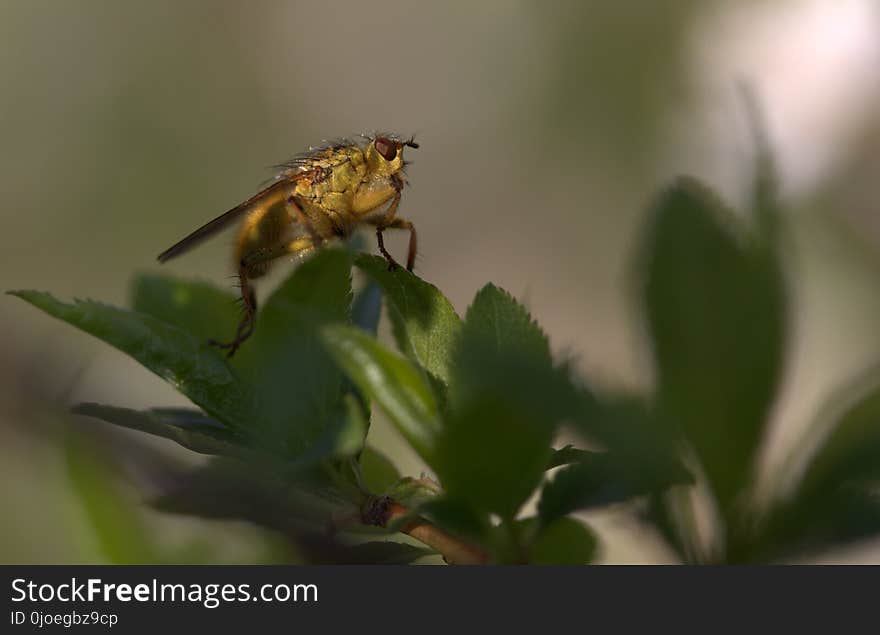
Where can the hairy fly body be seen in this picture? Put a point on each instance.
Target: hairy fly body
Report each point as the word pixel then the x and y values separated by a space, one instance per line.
pixel 319 196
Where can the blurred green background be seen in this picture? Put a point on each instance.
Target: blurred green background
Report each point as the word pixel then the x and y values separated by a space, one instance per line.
pixel 546 128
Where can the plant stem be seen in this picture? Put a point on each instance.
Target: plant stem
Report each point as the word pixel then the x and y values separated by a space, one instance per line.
pixel 383 511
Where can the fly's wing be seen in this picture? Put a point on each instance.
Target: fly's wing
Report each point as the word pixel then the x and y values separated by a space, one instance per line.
pixel 223 221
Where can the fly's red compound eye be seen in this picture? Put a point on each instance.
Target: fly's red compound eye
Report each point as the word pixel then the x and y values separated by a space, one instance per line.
pixel 386 147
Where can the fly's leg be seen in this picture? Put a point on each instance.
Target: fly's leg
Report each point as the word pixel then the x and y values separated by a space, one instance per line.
pixel 380 227
pixel 249 306
pixel 255 259
pixel 389 221
pixel 402 223
pixel 392 263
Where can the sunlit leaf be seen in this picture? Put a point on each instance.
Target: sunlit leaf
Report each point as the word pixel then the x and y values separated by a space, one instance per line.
pixel 391 381
pixel 425 323
pixel 183 360
pixel 197 307
pixel 501 324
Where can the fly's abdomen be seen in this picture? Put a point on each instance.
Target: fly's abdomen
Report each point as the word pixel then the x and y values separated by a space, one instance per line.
pixel 263 229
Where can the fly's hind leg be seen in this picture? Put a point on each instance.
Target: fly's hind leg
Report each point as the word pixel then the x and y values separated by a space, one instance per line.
pixel 249 309
pixel 254 261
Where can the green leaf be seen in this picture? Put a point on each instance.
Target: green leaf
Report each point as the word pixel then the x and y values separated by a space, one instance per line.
pixel 639 440
pixel 298 389
pixel 285 393
pixel 378 472
pixel 343 436
pixel 301 511
pixel 715 308
pixel 199 308
pixel 258 493
pixel 391 381
pixel 501 348
pixel 112 514
pixel 425 323
pixel 564 542
pixel 181 359
pixel 623 424
pixel 641 444
pixel 602 479
pixel 505 401
pixel 501 324
pixel 189 428
pixel 493 455
pixel 457 518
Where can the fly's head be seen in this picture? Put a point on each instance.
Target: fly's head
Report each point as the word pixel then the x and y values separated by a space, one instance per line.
pixel 384 154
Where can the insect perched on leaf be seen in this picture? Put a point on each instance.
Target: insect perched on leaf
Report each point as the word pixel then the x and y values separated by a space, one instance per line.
pixel 316 197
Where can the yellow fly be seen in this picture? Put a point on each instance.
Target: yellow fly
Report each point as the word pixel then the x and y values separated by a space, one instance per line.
pixel 318 196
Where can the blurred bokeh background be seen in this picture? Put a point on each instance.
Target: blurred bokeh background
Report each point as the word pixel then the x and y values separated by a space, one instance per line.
pixel 546 129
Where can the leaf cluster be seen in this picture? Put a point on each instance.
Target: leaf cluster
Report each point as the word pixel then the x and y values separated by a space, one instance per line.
pixel 481 399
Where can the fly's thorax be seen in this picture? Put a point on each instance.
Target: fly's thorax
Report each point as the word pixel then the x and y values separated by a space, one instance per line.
pixel 341 174
pixel 347 176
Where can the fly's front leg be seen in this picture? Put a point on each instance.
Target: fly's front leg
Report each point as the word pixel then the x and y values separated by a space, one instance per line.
pixel 392 263
pixel 389 221
pixel 250 263
pixel 384 223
